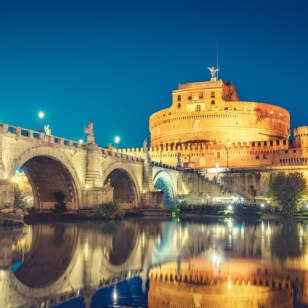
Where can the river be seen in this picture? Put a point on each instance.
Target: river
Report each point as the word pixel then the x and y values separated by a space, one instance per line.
pixel 144 263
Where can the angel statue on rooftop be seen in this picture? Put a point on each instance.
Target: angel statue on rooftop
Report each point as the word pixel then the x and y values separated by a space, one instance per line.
pixel 213 72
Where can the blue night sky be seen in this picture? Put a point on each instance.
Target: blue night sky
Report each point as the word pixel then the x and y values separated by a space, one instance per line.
pixel 116 62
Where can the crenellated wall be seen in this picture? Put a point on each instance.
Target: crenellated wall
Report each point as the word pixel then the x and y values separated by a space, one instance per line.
pixel 251 154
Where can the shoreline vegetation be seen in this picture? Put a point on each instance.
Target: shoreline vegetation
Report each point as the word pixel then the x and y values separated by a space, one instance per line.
pixel 114 212
pixel 250 212
pixel 111 211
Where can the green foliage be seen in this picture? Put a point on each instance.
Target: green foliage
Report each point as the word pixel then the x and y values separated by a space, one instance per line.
pixel 60 207
pixel 19 201
pixel 286 191
pixel 108 211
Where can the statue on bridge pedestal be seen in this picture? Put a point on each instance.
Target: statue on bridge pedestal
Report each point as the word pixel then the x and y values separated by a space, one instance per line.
pixel 47 130
pixel 89 133
pixel 146 155
pixel 147 169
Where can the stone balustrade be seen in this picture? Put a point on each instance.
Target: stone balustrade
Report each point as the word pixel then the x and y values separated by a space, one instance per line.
pixel 28 133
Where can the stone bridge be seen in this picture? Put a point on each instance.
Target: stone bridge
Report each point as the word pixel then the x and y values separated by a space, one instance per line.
pixel 90 175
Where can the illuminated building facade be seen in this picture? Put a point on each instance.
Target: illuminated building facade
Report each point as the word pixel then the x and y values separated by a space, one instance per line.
pixel 208 126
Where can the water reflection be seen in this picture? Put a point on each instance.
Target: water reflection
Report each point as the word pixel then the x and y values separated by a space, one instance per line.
pixel 288 241
pixel 155 264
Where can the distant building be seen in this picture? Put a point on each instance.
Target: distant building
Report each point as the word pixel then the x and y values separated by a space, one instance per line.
pixel 209 126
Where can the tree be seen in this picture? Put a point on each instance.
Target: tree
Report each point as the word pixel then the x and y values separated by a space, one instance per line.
pixel 19 201
pixel 286 191
pixel 60 207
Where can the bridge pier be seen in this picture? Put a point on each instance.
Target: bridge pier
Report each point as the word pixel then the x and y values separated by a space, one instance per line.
pixel 152 199
pixel 93 192
pixel 6 194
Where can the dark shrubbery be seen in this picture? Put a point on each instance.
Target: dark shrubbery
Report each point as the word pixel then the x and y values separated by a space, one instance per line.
pixel 109 211
pixel 31 210
pixel 60 207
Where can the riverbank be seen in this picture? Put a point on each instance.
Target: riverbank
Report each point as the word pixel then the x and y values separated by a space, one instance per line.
pixel 188 213
pixel 240 213
pixel 89 215
pixel 11 219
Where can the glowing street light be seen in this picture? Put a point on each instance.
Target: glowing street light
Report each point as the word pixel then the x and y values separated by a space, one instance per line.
pixel 41 116
pixel 80 141
pixel 117 139
pixel 262 204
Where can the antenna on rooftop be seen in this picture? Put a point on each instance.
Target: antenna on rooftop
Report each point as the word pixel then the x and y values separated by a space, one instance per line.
pixel 217 62
pixel 213 70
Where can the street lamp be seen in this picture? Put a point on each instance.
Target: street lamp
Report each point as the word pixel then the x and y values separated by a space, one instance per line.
pixel 41 116
pixel 117 140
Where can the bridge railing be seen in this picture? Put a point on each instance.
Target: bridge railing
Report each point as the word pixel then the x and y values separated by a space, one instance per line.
pixel 118 154
pixel 28 133
pixel 130 154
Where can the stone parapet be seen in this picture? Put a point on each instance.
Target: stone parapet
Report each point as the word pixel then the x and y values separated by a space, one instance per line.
pixel 28 133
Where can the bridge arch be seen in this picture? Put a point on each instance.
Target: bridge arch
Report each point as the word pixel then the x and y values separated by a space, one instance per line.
pixel 123 180
pixel 49 170
pixel 164 181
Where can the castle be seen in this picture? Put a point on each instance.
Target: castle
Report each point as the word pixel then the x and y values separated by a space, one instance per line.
pixel 207 126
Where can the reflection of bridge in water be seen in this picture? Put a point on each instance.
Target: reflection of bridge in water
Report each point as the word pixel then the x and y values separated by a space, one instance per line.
pixel 55 263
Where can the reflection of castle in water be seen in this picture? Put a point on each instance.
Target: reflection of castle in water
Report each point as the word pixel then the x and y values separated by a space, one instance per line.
pixel 188 265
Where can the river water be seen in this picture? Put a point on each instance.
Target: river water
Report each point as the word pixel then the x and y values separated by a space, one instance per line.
pixel 155 264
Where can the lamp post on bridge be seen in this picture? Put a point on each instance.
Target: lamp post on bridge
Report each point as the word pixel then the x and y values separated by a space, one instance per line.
pixel 117 140
pixel 41 116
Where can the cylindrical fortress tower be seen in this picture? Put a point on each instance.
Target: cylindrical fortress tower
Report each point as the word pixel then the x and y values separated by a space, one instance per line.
pixel 211 112
pixel 301 136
